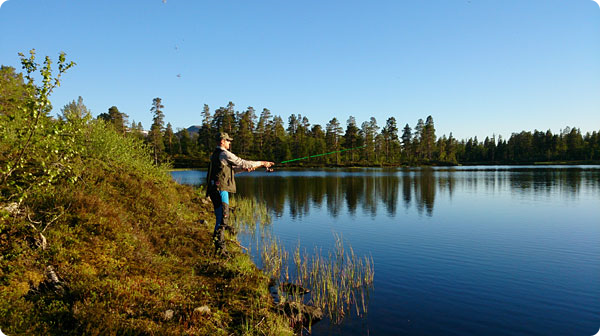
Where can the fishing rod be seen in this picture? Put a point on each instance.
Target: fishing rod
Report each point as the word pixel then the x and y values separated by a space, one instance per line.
pixel 312 156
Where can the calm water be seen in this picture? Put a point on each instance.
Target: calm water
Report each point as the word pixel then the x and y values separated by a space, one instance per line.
pixel 464 251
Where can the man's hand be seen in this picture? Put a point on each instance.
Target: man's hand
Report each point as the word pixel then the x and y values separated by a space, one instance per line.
pixel 268 165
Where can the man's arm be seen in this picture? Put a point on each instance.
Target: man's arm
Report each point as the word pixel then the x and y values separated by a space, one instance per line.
pixel 240 164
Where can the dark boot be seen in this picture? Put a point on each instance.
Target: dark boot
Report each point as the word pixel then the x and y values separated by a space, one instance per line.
pixel 219 240
pixel 219 235
pixel 226 223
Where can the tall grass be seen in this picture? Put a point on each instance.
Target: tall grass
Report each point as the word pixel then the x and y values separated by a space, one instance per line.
pixel 339 281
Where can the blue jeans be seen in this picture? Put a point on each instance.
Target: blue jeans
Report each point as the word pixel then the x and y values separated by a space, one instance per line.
pixel 223 197
pixel 220 200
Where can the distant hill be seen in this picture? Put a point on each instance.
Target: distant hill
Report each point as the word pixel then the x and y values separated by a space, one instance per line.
pixel 194 129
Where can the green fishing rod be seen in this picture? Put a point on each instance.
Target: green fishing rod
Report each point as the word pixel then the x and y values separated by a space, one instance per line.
pixel 316 155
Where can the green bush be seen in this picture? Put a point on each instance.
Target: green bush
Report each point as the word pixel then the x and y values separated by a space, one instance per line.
pixel 97 240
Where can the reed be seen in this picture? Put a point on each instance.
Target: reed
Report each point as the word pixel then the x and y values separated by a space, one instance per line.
pixel 339 281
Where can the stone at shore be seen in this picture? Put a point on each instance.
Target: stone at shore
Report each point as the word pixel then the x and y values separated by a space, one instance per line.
pixel 168 315
pixel 300 313
pixel 204 310
pixel 291 288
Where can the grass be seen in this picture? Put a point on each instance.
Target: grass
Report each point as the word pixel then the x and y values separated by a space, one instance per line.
pixel 128 250
pixel 339 281
pixel 131 250
pixel 95 239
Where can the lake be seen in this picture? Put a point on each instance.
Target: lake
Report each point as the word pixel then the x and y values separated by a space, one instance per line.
pixel 501 250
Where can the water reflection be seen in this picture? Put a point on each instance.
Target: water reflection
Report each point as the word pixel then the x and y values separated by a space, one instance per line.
pixel 370 191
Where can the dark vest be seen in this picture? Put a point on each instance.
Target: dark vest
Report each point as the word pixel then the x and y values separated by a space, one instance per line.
pixel 220 176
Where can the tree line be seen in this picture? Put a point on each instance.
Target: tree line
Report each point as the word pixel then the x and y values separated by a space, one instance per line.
pixel 267 136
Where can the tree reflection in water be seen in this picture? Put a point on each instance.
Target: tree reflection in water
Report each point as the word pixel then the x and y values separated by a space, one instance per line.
pixel 375 189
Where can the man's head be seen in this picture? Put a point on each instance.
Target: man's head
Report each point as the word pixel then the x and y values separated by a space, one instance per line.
pixel 224 140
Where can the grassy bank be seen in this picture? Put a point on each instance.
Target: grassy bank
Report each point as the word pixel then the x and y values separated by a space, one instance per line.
pixel 132 255
pixel 95 239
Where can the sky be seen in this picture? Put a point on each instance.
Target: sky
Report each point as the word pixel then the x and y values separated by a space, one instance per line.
pixel 478 67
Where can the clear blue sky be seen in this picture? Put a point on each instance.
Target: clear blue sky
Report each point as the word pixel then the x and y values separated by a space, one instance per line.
pixel 479 67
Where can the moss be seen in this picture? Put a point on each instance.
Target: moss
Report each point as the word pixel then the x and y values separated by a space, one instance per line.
pixel 132 252
pixel 129 250
pixel 95 239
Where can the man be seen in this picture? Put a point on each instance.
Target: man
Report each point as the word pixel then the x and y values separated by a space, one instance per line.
pixel 220 180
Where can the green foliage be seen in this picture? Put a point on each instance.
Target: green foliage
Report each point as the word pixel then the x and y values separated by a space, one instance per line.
pixel 74 110
pixel 532 147
pixel 96 239
pixel 32 152
pixel 155 137
pixel 116 118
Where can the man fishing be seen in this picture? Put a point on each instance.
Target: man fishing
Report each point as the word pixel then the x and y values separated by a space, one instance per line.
pixel 221 181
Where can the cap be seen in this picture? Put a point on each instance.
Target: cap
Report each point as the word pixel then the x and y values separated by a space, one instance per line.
pixel 224 136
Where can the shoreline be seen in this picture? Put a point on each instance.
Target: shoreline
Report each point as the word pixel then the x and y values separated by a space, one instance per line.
pixel 473 164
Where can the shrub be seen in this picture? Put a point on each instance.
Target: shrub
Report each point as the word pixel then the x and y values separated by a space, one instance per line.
pixel 95 239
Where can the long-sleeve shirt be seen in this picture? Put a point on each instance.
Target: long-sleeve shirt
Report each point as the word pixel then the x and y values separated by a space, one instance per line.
pixel 238 164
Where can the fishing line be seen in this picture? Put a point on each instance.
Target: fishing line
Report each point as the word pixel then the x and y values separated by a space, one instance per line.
pixel 311 156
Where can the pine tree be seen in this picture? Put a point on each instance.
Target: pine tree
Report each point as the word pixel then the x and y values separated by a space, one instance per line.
pixel 224 119
pixel 333 136
pixel 429 138
pixel 407 147
pixel 263 134
pixel 244 137
pixel 205 133
pixel 369 131
pixel 116 118
pixel 451 149
pixel 169 140
pixel 155 135
pixel 390 138
pixel 185 141
pixel 440 153
pixel 352 137
pixel 319 144
pixel 279 141
pixel 419 135
pixel 293 136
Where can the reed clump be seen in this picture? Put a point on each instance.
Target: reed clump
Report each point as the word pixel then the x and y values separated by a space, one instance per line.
pixel 338 282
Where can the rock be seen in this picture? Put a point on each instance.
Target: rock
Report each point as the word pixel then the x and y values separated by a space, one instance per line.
pixel 51 285
pixel 272 281
pixel 301 313
pixel 168 315
pixel 11 208
pixel 52 275
pixel 291 288
pixel 52 281
pixel 204 310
